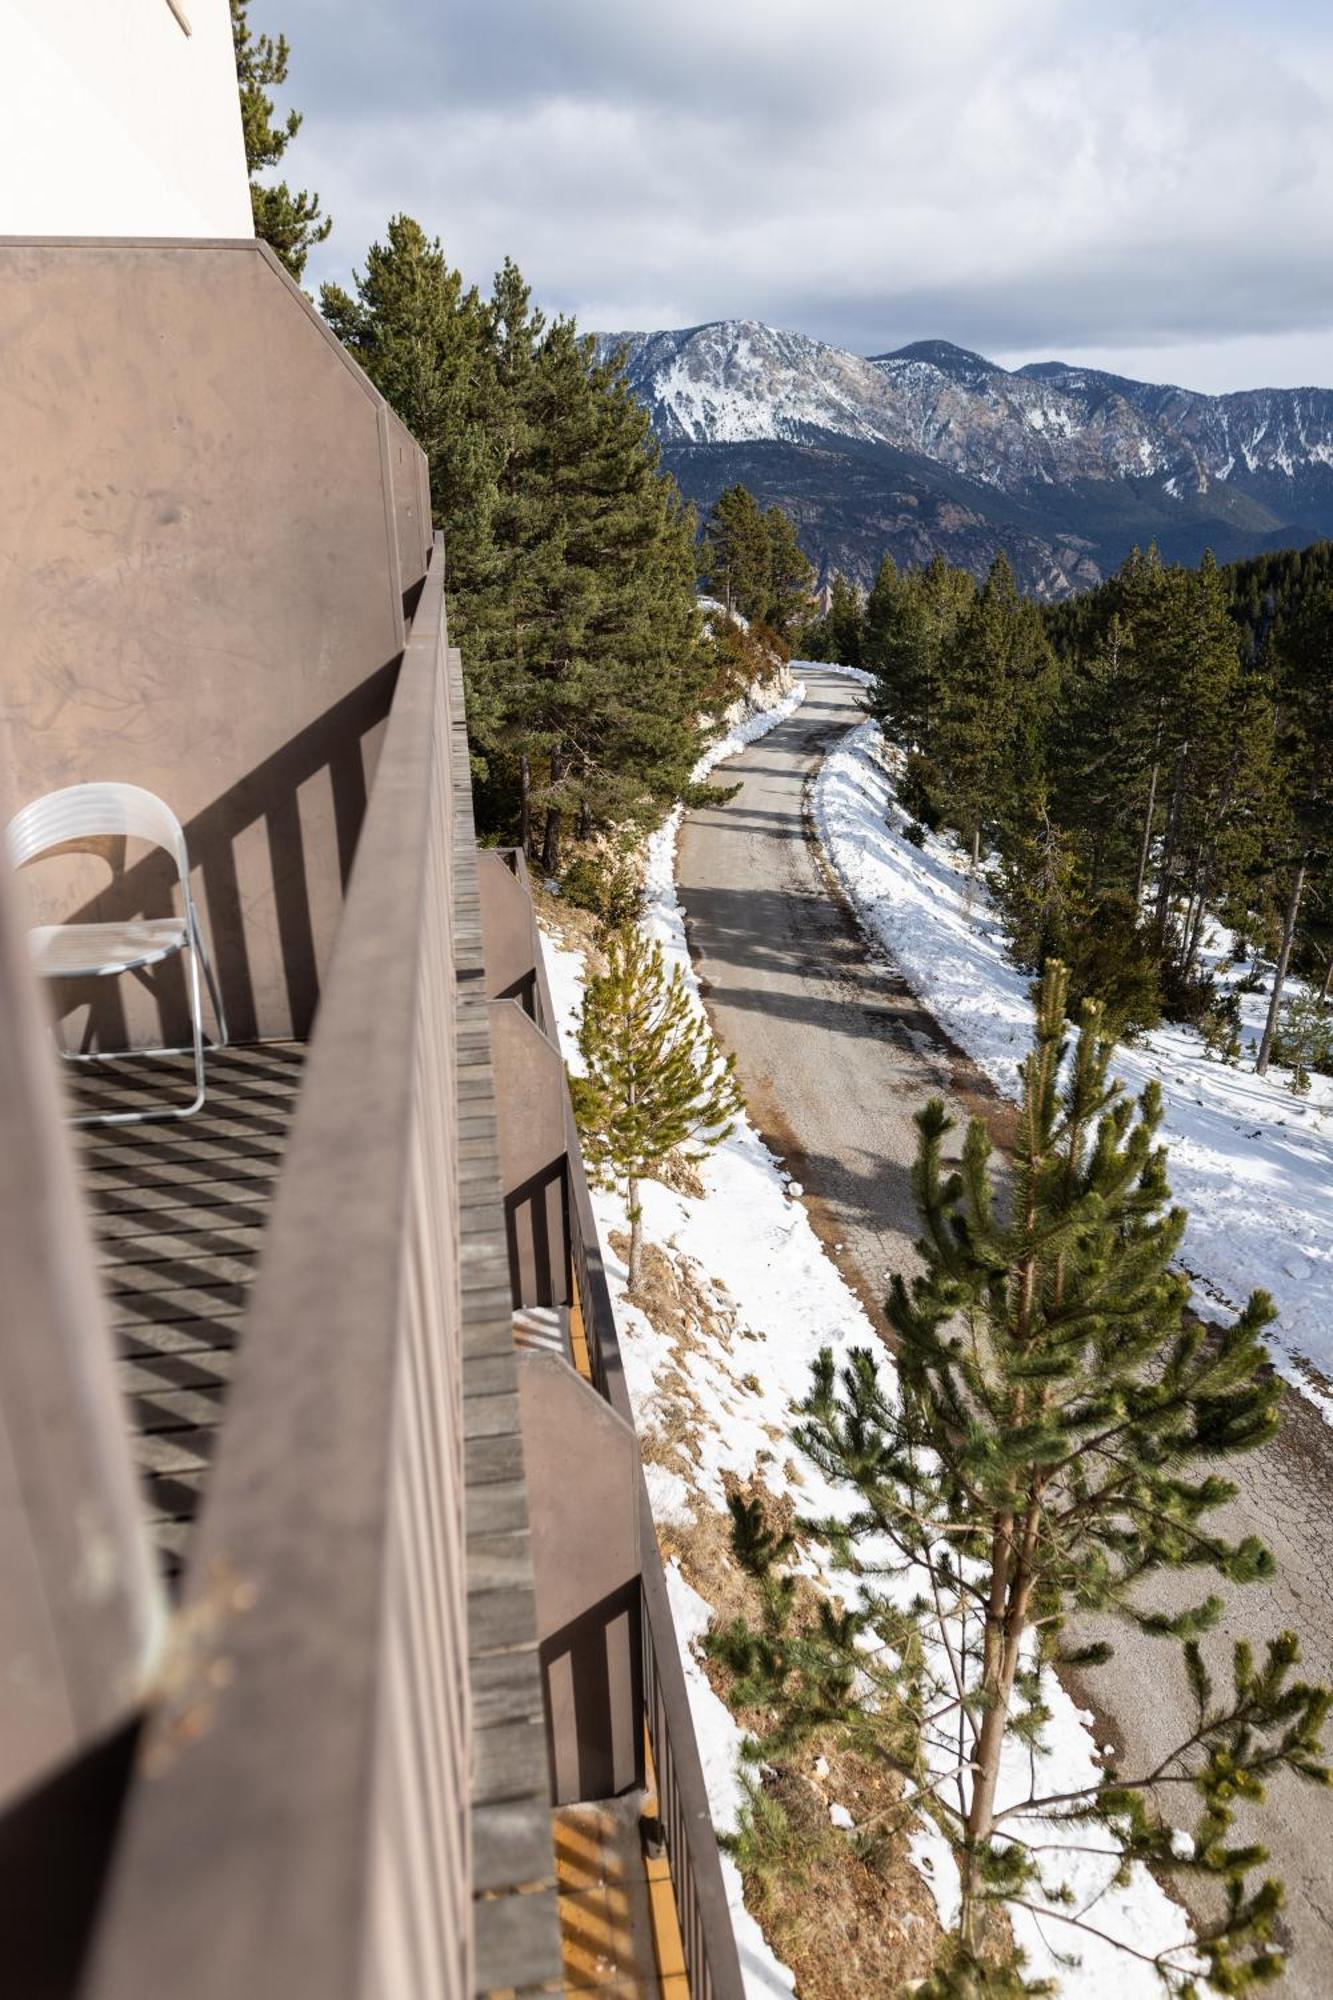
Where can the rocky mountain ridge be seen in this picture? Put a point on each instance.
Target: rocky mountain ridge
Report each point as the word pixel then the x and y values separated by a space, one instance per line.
pixel 934 447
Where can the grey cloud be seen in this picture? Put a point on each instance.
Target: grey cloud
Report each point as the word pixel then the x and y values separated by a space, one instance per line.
pixel 1031 177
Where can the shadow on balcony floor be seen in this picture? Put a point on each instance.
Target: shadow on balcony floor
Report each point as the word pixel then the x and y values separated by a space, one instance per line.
pixel 619 1938
pixel 180 1208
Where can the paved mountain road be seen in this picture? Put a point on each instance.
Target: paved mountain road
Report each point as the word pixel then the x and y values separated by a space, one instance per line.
pixel 835 1055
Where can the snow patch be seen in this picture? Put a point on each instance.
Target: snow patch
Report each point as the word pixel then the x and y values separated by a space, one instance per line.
pixel 1252 1163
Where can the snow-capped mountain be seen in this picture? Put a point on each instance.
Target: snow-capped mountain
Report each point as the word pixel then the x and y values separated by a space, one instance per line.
pixel 933 447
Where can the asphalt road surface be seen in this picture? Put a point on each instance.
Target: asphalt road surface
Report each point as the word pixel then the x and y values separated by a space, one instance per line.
pixel 835 1055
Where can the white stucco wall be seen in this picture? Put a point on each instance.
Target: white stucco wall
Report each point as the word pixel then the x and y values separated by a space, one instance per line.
pixel 115 122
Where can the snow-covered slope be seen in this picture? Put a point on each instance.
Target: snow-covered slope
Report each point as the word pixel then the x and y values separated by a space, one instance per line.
pixel 1252 1163
pixel 738 381
pixel 1064 467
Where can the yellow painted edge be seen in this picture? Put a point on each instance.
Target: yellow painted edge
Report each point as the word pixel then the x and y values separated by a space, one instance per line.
pixel 578 1338
pixel 668 1945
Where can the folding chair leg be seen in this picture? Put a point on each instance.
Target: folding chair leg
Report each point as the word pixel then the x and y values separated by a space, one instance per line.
pixel 210 978
pixel 197 1038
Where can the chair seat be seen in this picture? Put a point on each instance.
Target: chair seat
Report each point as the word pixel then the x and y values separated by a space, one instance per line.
pixel 84 951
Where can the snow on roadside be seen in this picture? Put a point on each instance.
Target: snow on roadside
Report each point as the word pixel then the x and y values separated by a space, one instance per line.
pixel 775 1298
pixel 1252 1163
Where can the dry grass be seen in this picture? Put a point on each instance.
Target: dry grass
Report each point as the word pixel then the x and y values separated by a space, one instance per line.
pixel 846 1911
pixel 574 928
pixel 851 1917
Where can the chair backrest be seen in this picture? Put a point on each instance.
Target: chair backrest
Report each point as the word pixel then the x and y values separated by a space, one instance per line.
pixel 80 812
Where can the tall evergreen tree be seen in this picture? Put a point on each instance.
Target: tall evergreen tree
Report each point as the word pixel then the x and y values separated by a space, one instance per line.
pixel 790 574
pixel 427 344
pixel 571 561
pixel 909 643
pixel 841 628
pixel 737 553
pixel 1001 683
pixel 655 1081
pixel 1055 1441
pixel 595 591
pixel 291 223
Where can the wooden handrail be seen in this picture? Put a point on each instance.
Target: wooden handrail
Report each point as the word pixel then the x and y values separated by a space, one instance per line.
pixel 302 1828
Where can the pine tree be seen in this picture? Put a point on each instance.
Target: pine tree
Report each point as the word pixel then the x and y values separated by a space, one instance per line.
pixel 1039 888
pixel 1055 1440
pixel 1198 672
pixel 882 611
pixel 594 598
pixel 291 223
pixel 790 574
pixel 655 1081
pixel 908 644
pixel 1100 750
pixel 987 738
pixel 842 625
pixel 737 553
pixel 426 344
pixel 571 559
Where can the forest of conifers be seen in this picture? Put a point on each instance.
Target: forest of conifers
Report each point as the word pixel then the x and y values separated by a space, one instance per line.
pixel 572 561
pixel 1139 759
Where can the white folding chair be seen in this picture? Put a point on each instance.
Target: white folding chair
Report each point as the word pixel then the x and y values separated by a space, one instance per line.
pixel 94 951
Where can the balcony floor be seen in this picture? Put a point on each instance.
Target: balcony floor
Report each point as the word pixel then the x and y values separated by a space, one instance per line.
pixel 619 1938
pixel 180 1208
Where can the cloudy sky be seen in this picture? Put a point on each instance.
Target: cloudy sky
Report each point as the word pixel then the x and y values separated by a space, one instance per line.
pixel 1141 186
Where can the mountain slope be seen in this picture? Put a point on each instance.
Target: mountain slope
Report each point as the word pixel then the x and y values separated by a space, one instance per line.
pixel 934 447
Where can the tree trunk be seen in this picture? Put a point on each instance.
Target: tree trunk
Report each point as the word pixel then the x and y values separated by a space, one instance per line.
pixel 551 831
pixel 1006 1621
pixel 1169 840
pixel 525 805
pixel 976 848
pixel 1327 986
pixel 551 841
pixel 1194 927
pixel 635 1237
pixel 1198 913
pixel 1146 846
pixel 1279 977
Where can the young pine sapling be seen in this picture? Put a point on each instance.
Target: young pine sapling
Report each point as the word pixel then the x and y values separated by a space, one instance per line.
pixel 655 1081
pixel 1055 1440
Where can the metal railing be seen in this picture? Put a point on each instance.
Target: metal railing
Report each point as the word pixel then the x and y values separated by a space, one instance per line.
pixel 707 1933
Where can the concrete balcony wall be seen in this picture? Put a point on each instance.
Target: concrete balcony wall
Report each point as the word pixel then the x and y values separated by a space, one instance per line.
pixel 211 524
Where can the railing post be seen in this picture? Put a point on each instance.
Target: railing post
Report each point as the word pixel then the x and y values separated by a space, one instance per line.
pixel 81 1608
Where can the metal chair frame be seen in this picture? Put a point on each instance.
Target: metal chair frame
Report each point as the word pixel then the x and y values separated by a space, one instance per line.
pixel 83 812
